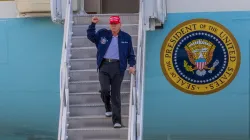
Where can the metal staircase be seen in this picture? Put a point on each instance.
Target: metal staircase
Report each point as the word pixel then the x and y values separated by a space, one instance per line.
pixel 81 109
pixel 86 118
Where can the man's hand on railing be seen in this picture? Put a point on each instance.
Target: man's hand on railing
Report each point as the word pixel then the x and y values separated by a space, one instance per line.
pixel 131 70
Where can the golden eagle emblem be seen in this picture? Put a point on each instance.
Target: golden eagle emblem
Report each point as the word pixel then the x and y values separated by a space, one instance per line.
pixel 200 54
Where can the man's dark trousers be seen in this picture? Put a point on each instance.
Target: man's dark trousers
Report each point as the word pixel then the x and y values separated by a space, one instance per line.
pixel 110 76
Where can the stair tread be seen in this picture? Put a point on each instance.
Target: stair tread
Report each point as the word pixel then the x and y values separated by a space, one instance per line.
pixel 102 25
pixel 83 59
pixel 107 139
pixel 103 15
pixel 84 36
pixel 87 48
pixel 83 70
pixel 98 129
pixel 87 70
pixel 91 81
pixel 83 48
pixel 91 93
pixel 91 105
pixel 94 116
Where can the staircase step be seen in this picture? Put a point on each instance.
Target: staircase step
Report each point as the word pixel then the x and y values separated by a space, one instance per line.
pixel 83 41
pixel 94 121
pixel 81 30
pixel 83 64
pixel 104 19
pixel 98 133
pixel 92 97
pixel 93 86
pixel 106 139
pixel 94 109
pixel 89 74
pixel 86 52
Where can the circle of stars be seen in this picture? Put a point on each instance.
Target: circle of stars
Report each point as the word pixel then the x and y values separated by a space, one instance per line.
pixel 200 81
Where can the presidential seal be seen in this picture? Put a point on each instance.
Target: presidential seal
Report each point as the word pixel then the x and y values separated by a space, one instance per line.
pixel 200 57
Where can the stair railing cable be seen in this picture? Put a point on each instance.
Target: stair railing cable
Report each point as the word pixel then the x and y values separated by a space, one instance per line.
pixel 64 89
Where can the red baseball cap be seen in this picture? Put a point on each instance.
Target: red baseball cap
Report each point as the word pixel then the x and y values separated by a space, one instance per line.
pixel 114 20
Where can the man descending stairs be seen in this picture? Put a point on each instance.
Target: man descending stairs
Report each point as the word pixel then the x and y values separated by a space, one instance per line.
pixel 87 119
pixel 115 51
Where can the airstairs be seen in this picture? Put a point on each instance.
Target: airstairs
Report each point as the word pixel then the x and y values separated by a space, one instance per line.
pixel 81 109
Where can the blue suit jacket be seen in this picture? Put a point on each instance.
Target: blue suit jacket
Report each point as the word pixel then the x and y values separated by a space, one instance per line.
pixel 103 38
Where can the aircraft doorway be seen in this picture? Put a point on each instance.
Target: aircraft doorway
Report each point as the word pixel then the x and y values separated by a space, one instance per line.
pixel 111 6
pixel 119 6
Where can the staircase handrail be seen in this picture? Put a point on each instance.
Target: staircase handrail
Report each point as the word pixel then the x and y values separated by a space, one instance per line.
pixel 141 68
pixel 132 110
pixel 139 54
pixel 64 89
pixel 136 82
pixel 146 14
